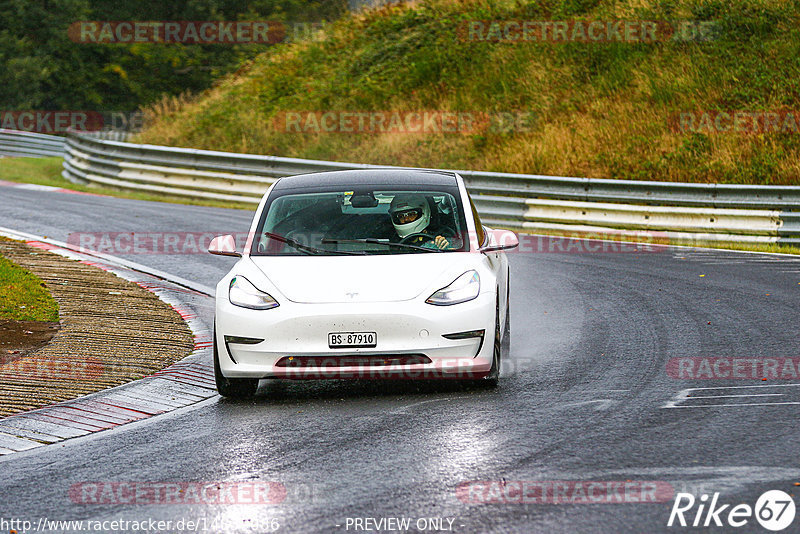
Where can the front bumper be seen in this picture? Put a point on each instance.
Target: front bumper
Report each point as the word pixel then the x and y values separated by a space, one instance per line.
pixel 403 328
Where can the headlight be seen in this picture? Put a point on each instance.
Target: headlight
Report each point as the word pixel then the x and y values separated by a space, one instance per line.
pixel 242 293
pixel 465 287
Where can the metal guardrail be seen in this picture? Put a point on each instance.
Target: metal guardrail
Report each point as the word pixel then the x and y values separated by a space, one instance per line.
pixel 17 143
pixel 14 143
pixel 182 171
pixel 679 212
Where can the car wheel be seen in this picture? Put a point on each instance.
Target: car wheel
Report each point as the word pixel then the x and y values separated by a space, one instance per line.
pixel 507 329
pixel 491 379
pixel 232 387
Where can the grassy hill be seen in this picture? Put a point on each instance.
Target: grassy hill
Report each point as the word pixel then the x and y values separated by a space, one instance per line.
pixel 597 109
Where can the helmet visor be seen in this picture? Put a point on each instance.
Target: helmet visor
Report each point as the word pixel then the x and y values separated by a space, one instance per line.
pixel 406 216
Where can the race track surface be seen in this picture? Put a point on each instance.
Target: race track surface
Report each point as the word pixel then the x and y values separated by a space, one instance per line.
pixel 586 396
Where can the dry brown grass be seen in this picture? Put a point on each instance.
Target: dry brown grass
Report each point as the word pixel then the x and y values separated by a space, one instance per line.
pixel 602 111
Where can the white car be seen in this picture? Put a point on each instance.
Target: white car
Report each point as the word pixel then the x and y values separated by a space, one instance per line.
pixel 363 274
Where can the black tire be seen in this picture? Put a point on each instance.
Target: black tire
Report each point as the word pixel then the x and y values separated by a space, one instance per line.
pixel 491 380
pixel 507 329
pixel 236 388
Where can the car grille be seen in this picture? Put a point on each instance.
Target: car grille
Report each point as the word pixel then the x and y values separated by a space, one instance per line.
pixel 352 360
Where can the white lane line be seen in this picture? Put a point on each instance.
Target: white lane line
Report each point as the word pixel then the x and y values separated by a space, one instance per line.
pixel 746 387
pixel 726 262
pixel 37 187
pixel 680 400
pixel 730 405
pixel 405 409
pixel 733 396
pixel 789 262
pixel 748 261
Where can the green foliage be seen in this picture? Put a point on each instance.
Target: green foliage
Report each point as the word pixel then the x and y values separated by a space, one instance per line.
pixel 44 69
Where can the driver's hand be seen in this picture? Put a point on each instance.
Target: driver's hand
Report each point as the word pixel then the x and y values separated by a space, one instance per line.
pixel 441 242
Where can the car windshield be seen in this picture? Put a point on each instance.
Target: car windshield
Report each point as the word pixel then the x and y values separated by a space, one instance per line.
pixel 372 221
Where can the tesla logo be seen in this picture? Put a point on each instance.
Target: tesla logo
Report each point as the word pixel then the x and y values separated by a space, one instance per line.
pixel 352 294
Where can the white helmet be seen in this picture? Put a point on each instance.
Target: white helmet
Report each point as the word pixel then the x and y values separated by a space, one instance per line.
pixel 410 214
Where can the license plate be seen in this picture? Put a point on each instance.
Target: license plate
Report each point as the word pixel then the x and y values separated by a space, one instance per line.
pixel 338 340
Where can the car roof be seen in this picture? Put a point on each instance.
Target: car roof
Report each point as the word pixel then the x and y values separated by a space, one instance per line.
pixel 368 177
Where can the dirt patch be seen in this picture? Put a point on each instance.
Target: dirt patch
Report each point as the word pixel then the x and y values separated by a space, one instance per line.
pixel 20 338
pixel 112 331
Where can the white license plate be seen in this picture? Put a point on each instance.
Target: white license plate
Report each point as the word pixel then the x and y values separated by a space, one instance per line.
pixel 338 340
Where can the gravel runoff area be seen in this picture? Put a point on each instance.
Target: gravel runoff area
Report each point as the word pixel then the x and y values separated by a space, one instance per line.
pixel 112 331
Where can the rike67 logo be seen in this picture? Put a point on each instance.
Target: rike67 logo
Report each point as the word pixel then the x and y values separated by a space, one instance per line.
pixel 774 510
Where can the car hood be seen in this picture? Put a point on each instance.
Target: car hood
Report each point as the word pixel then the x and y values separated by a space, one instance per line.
pixel 379 278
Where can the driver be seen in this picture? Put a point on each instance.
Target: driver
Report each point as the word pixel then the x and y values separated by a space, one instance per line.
pixel 411 214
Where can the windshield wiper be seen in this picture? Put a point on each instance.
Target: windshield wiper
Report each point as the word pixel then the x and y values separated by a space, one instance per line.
pixel 379 242
pixel 300 246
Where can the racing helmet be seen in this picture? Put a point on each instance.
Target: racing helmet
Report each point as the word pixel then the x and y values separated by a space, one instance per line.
pixel 410 214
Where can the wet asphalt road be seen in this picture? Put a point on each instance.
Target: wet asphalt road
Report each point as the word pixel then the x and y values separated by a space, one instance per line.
pixel 582 399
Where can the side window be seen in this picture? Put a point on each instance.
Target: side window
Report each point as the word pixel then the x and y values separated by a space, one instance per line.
pixel 478 225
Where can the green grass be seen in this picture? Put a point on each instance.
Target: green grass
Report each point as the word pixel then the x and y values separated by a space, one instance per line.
pixel 47 171
pixel 602 110
pixel 23 296
pixel 41 171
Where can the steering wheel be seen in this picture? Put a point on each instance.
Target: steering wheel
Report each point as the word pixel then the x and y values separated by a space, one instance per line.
pixel 415 235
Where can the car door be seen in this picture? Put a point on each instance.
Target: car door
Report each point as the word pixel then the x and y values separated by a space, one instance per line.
pixel 497 261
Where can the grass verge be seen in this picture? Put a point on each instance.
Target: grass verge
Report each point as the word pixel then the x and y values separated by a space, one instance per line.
pixel 23 295
pixel 47 171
